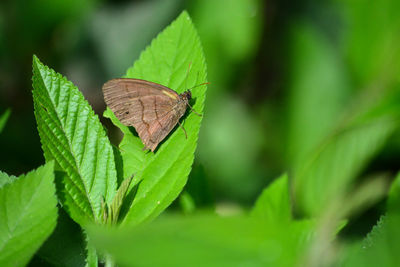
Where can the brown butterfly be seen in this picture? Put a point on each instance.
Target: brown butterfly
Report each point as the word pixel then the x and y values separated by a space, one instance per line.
pixel 151 108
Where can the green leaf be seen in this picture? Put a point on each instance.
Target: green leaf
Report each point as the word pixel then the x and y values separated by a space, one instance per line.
pixel 72 134
pixel 380 248
pixel 206 240
pixel 66 245
pixel 336 164
pixel 91 259
pixel 318 90
pixel 393 202
pixel 28 215
pixel 3 119
pixel 372 59
pixel 132 157
pixel 273 205
pixel 164 173
pixel 187 203
pixel 329 172
pixel 376 231
pixel 115 207
pixel 6 179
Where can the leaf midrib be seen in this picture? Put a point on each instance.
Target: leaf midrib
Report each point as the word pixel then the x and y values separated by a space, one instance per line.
pixel 66 136
pixel 57 148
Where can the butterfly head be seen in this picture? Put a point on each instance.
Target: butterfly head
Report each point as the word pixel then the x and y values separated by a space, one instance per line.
pixel 187 94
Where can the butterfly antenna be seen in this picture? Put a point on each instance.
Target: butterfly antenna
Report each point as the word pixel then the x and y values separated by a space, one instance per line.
pixel 199 85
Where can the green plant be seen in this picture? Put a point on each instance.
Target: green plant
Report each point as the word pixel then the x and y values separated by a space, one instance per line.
pixel 28 214
pixel 85 161
pixel 3 119
pixel 109 196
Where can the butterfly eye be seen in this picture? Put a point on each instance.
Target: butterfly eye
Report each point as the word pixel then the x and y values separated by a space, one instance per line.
pixel 187 94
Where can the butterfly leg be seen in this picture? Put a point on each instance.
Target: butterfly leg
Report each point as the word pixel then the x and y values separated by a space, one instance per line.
pixel 180 125
pixel 194 111
pixel 198 114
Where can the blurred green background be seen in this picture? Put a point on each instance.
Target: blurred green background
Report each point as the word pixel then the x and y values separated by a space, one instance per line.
pixel 283 74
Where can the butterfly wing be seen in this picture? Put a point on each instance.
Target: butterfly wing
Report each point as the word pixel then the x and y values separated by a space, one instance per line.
pixel 147 106
pixel 157 130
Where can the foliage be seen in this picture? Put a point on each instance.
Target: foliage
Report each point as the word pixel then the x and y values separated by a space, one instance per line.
pixel 380 248
pixel 28 214
pixel 72 135
pixel 178 65
pixel 329 148
pixel 274 205
pixel 207 240
pixel 269 237
pixel 333 166
pixel 393 201
pixel 298 89
pixel 3 119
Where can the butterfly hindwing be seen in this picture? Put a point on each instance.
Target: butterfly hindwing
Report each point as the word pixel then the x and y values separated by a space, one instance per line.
pixel 158 130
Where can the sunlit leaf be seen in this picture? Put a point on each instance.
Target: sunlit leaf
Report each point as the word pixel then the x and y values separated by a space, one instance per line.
pixel 380 249
pixel 5 179
pixel 206 240
pixel 72 134
pixel 164 173
pixel 91 258
pixel 28 215
pixel 273 205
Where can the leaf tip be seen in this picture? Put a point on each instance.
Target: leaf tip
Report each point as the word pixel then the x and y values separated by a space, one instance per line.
pixel 35 60
pixel 35 64
pixel 184 16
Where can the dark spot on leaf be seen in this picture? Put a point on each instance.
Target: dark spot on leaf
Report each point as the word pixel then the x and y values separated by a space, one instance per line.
pixel 45 109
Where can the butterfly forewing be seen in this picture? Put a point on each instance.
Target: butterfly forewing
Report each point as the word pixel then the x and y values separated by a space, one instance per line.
pixel 151 108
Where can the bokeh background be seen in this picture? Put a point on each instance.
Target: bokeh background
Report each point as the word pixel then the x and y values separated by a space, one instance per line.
pixel 282 74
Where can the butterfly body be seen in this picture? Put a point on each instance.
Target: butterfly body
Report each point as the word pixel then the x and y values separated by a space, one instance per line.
pixel 152 109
